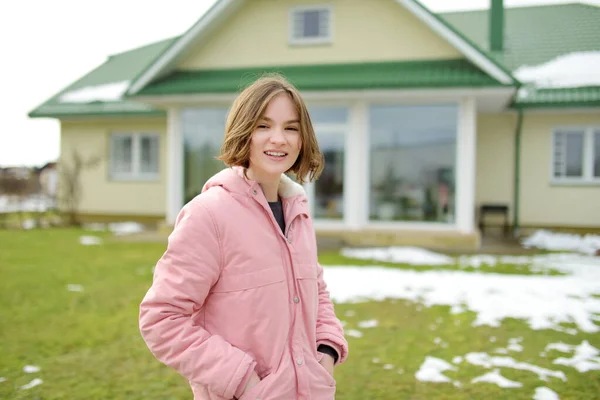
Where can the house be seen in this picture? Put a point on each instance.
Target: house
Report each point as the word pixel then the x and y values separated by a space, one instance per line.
pixel 423 118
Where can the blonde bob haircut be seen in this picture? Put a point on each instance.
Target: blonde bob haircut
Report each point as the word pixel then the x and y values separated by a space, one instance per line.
pixel 246 111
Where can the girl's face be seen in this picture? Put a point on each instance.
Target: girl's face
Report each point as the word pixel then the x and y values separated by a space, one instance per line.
pixel 276 141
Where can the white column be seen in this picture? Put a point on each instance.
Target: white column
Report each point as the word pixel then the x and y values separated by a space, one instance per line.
pixel 174 164
pixel 356 191
pixel 465 165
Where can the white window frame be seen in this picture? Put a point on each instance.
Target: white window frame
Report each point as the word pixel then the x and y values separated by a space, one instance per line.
pixel 136 174
pixel 328 38
pixel 587 177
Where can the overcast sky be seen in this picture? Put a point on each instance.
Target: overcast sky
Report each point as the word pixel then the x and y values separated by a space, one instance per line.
pixel 46 45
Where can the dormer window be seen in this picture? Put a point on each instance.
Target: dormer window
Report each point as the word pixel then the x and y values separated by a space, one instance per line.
pixel 310 25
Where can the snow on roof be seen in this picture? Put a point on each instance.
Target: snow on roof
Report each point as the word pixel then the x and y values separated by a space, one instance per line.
pixel 577 69
pixel 106 92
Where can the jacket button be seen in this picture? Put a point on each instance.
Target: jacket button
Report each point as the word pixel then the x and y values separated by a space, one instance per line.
pixel 296 300
pixel 299 362
pixel 254 192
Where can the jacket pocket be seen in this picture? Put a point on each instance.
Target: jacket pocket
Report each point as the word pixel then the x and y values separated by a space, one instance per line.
pixel 249 280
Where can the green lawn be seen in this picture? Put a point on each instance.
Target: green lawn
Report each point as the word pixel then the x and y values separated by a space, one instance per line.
pixel 88 346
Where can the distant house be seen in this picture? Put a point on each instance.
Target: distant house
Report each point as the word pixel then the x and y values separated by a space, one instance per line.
pixel 422 117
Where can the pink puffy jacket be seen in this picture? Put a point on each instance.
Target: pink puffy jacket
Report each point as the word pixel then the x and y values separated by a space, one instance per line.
pixel 233 294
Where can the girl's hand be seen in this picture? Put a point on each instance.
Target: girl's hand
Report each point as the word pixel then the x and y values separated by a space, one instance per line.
pixel 327 362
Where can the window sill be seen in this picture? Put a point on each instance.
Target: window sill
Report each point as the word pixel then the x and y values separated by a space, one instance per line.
pixel 583 183
pixel 310 42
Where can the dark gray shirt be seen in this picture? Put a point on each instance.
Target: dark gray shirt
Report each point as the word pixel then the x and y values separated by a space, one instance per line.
pixel 277 209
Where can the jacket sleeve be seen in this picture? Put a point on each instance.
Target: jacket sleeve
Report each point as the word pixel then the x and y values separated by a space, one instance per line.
pixel 329 328
pixel 182 279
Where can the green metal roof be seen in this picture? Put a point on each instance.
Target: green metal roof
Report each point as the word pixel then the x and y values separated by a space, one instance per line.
pixel 385 75
pixel 117 68
pixel 533 35
pixel 536 34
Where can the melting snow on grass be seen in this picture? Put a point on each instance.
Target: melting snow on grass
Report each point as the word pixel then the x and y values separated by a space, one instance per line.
pixel 74 288
pixel 400 255
pixel 543 393
pixel 543 301
pixel 432 370
pixel 585 358
pixel 90 240
pixel 372 323
pixel 33 383
pixel 495 377
pixel 31 369
pixel 486 361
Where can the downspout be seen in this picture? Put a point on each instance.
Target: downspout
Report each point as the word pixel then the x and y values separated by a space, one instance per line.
pixel 517 177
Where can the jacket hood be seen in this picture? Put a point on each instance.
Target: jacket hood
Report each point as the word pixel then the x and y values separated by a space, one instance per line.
pixel 233 180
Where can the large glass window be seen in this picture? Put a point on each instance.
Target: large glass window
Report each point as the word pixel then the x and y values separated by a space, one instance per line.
pixel 330 128
pixel 413 159
pixel 203 131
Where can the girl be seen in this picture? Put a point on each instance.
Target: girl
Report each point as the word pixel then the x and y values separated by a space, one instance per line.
pixel 238 305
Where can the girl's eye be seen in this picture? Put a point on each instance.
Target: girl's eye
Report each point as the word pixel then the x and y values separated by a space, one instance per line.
pixel 262 126
pixel 293 128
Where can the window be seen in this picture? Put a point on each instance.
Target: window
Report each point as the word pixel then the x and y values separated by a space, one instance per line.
pixel 203 130
pixel 330 129
pixel 413 163
pixel 576 155
pixel 134 156
pixel 310 25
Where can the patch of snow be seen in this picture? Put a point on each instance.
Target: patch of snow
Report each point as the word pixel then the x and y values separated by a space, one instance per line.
pixel 404 255
pixel 548 240
pixel 514 344
pixel 501 351
pixel 372 323
pixel 376 360
pixel 354 333
pixel 437 340
pixel 29 224
pixel 484 360
pixel 493 339
pixel 457 384
pixel 543 301
pixel 431 370
pixel 125 228
pixel 32 384
pixel 457 360
pixel 74 287
pixel 2 379
pixel 543 393
pixel 495 377
pixel 107 92
pixel 585 358
pixel 570 331
pixel 388 366
pixel 560 346
pixel 350 313
pixel 90 240
pixel 571 70
pixel 457 309
pixel 31 369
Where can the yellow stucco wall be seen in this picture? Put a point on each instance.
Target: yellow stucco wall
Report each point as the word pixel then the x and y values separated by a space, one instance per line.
pixel 495 154
pixel 101 195
pixel 542 204
pixel 374 30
